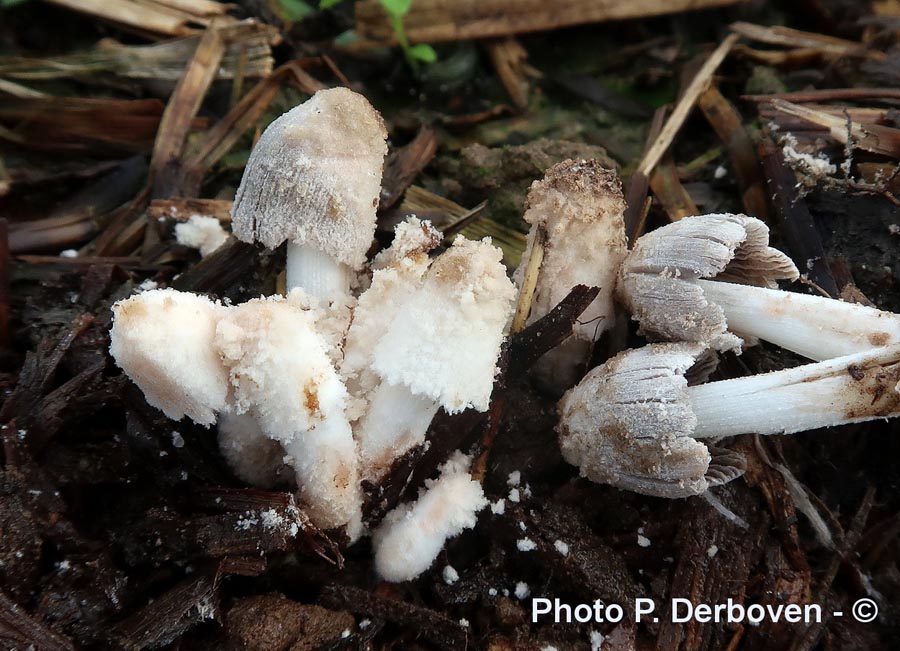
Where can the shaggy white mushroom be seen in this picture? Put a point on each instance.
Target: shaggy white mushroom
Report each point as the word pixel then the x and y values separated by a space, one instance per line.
pixel 163 340
pixel 633 421
pixel 439 349
pixel 397 273
pixel 281 374
pixel 411 536
pixel 202 233
pixel 694 280
pixel 578 211
pixel 314 180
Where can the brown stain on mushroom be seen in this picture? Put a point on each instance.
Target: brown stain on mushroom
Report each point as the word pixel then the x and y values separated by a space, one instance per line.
pixel 342 475
pixel 879 338
pixel 872 393
pixel 311 399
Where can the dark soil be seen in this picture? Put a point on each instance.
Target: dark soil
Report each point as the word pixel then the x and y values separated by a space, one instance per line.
pixel 120 529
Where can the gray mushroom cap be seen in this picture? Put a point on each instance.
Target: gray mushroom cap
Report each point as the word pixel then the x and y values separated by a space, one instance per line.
pixel 629 423
pixel 657 281
pixel 314 178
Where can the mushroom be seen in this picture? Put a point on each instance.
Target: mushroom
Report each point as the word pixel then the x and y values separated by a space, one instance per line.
pixel 252 456
pixel 202 233
pixel 438 349
pixel 634 421
pixel 281 374
pixel 163 340
pixel 314 179
pixel 696 280
pixel 397 274
pixel 576 214
pixel 411 536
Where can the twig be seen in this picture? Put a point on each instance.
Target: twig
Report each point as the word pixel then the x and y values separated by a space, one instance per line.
pixel 794 219
pixel 699 84
pixel 636 205
pixel 870 137
pixel 795 38
pixel 529 281
pixel 828 95
pixel 669 191
pixel 430 21
pixel 728 125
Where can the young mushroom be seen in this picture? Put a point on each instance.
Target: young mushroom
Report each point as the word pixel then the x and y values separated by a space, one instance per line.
pixel 634 421
pixel 439 349
pixel 576 214
pixel 396 274
pixel 164 340
pixel 281 374
pixel 314 180
pixel 711 278
pixel 411 536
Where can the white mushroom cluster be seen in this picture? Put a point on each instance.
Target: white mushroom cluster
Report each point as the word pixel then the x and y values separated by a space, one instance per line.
pixel 323 384
pixel 709 283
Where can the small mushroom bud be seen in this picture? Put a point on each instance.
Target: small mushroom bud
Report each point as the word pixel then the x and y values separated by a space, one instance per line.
pixel 676 284
pixel 439 349
pixel 314 179
pixel 577 209
pixel 659 280
pixel 282 375
pixel 633 421
pixel 164 340
pixel 411 536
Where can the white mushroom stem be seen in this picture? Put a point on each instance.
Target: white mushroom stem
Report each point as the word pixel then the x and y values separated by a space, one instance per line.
pixel 316 272
pixel 422 343
pixel 395 423
pixel 252 455
pixel 813 326
pixel 324 460
pixel 847 389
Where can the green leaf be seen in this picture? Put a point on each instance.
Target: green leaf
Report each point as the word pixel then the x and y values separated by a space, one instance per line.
pixel 328 4
pixel 6 4
pixel 396 7
pixel 292 11
pixel 422 52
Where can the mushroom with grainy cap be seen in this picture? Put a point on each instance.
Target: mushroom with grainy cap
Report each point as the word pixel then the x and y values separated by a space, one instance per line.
pixel 164 341
pixel 439 349
pixel 634 421
pixel 710 278
pixel 281 374
pixel 659 281
pixel 314 180
pixel 411 536
pixel 578 208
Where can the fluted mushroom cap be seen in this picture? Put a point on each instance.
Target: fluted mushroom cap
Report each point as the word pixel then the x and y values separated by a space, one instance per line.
pixel 314 178
pixel 657 280
pixel 629 423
